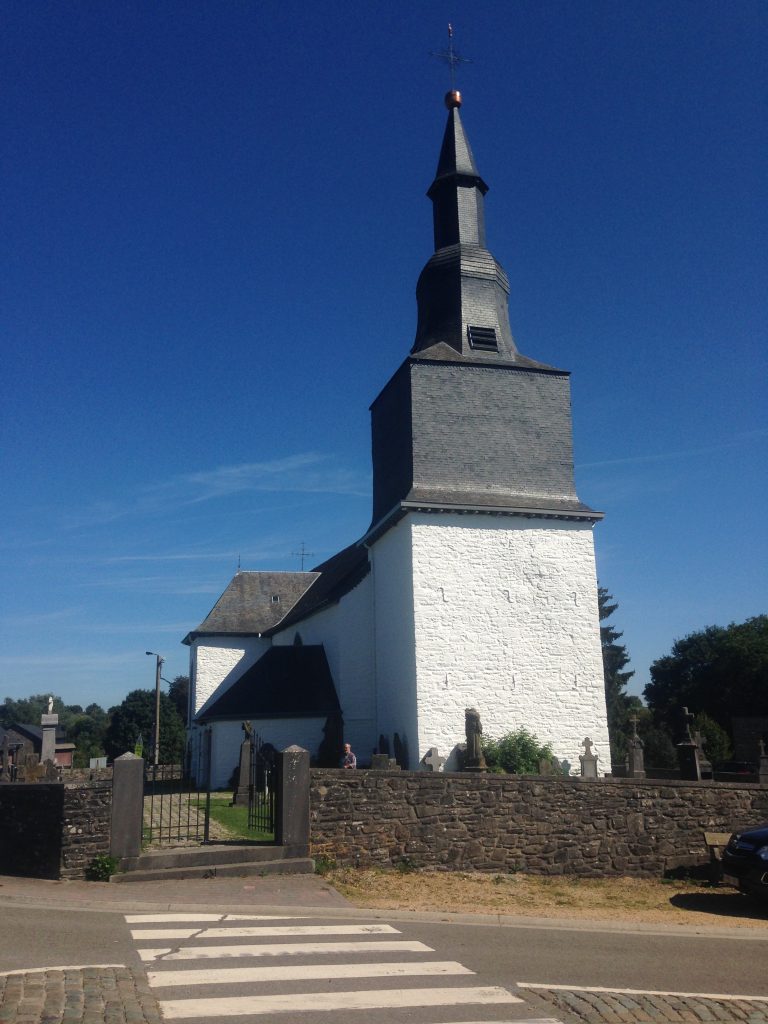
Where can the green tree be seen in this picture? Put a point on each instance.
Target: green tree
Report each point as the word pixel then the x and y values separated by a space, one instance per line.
pixel 721 671
pixel 615 658
pixel 518 753
pixel 136 716
pixel 717 743
pixel 178 691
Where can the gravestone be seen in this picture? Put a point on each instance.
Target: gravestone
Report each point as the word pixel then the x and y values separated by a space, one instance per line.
pixel 401 751
pixel 432 760
pixel 240 796
pixel 474 759
pixel 550 766
pixel 49 723
pixel 5 773
pixel 566 766
pixel 762 764
pixel 635 754
pixel 588 760
pixel 687 749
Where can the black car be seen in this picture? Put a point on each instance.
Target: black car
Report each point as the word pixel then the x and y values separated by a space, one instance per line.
pixel 746 859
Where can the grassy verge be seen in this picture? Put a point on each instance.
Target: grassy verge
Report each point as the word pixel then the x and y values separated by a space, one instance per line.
pixel 651 901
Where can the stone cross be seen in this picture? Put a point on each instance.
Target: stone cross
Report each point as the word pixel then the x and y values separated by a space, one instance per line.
pixel 588 760
pixel 433 761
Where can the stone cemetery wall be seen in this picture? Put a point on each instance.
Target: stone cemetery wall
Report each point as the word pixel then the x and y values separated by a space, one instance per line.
pixel 50 830
pixel 547 826
pixel 86 823
pixel 30 836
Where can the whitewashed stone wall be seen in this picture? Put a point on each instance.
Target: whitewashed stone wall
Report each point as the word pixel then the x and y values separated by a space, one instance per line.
pixel 506 620
pixel 346 631
pixel 217 662
pixel 396 681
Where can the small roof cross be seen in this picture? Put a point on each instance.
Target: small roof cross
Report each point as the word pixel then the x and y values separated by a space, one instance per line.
pixel 450 57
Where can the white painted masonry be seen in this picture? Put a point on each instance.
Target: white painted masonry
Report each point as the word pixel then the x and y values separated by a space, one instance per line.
pixel 506 620
pixel 215 662
pixel 394 639
pixel 345 630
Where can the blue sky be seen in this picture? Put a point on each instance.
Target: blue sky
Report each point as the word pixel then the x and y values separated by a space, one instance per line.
pixel 212 225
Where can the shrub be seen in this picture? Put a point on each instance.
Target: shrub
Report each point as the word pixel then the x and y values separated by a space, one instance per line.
pixel 518 753
pixel 101 867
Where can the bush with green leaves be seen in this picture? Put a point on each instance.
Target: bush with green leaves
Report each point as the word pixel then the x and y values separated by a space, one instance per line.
pixel 517 753
pixel 101 867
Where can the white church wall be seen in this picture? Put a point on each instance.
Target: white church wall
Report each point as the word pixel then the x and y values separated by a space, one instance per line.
pixel 392 568
pixel 506 621
pixel 218 661
pixel 280 732
pixel 346 631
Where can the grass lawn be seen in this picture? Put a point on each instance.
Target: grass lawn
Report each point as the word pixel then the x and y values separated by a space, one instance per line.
pixel 234 819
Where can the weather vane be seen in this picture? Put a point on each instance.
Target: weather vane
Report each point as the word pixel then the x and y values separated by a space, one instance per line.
pixel 450 57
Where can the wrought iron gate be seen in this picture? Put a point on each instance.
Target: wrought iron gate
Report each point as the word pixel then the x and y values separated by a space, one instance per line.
pixel 261 788
pixel 177 797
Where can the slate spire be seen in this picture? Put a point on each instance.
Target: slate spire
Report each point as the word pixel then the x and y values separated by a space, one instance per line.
pixel 462 292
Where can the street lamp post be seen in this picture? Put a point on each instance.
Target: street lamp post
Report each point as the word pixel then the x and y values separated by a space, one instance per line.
pixel 158 670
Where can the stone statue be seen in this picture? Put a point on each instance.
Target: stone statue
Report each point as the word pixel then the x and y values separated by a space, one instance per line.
pixel 248 730
pixel 474 758
pixel 50 705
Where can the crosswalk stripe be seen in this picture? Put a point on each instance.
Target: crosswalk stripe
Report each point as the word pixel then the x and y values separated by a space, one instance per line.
pixel 253 933
pixel 285 949
pixel 236 975
pixel 375 999
pixel 178 918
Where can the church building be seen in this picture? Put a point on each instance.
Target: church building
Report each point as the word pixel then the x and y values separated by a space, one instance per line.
pixel 474 585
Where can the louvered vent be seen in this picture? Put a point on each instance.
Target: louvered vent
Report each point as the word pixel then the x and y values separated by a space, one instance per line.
pixel 483 338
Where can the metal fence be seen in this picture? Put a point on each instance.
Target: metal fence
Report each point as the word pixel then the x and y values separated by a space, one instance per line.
pixel 262 782
pixel 177 797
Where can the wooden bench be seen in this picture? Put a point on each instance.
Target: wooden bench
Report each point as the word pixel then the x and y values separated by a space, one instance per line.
pixel 716 843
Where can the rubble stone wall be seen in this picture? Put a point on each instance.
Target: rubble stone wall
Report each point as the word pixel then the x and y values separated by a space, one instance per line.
pixel 86 824
pixel 501 823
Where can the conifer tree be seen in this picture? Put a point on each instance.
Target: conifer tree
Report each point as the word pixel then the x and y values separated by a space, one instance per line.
pixel 615 657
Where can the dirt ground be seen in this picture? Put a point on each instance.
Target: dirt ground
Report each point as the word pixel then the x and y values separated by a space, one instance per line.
pixel 650 901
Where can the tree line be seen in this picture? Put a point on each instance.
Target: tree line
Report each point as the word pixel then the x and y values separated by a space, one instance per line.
pixel 718 673
pixel 99 733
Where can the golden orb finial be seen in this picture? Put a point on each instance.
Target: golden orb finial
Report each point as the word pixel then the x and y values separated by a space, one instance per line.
pixel 453 99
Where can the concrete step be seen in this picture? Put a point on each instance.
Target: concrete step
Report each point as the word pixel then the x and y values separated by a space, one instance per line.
pixel 208 855
pixel 257 868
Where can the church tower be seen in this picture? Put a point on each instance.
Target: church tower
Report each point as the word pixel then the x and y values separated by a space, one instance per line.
pixel 481 552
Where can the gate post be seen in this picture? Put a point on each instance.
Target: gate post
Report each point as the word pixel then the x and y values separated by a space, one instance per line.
pixel 127 806
pixel 292 811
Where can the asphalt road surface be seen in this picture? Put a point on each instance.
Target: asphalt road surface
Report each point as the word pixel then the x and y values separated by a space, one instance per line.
pixel 314 969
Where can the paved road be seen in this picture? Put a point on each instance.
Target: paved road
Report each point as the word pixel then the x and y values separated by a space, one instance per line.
pixel 204 967
pixel 311 967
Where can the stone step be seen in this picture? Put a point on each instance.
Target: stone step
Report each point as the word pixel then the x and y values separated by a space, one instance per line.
pixel 208 855
pixel 284 866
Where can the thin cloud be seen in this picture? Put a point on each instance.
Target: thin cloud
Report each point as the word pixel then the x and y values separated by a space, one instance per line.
pixel 685 453
pixel 306 473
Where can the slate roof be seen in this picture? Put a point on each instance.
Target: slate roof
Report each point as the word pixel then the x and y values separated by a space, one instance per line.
pixel 247 607
pixel 462 288
pixel 335 578
pixel 287 682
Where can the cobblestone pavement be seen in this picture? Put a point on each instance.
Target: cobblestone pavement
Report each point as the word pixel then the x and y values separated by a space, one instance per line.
pixel 78 995
pixel 622 1008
